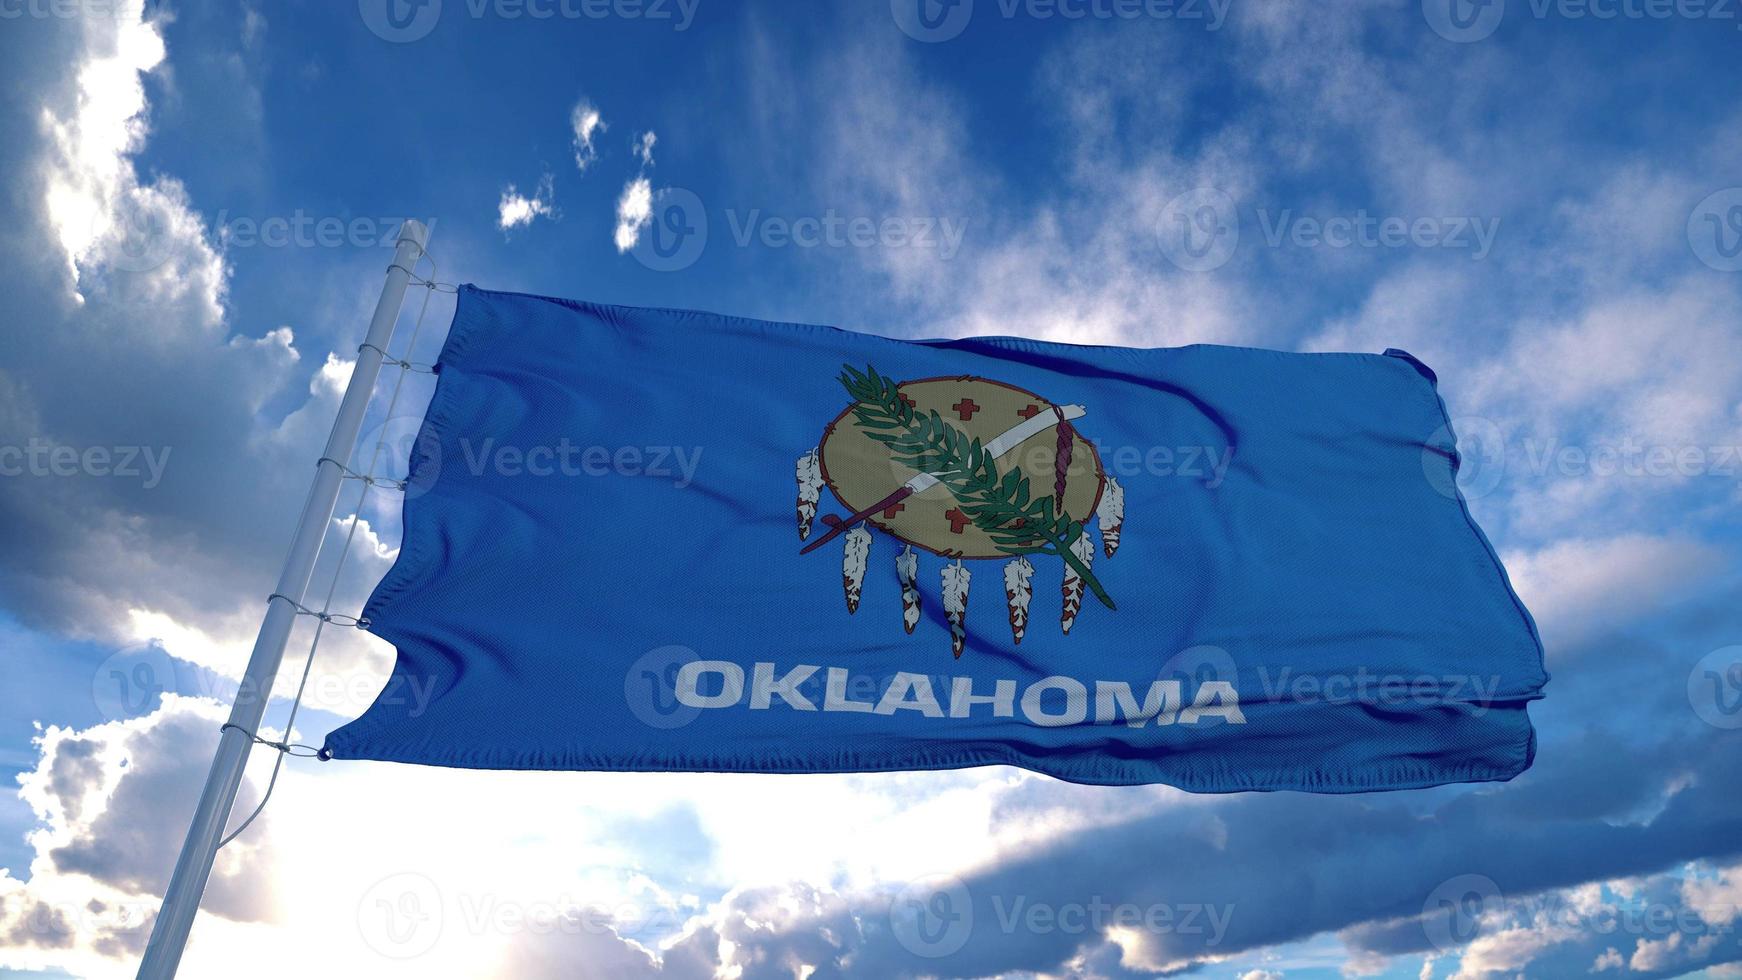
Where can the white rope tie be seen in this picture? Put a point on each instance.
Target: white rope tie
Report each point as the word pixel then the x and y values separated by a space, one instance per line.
pixel 288 748
pixel 337 619
pixel 403 365
pixel 369 479
pixel 325 615
pixel 429 284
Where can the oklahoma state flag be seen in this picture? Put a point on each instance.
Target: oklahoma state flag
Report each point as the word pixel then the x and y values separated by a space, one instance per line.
pixel 641 539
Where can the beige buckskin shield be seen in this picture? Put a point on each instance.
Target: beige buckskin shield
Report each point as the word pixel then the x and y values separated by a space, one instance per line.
pixel 907 473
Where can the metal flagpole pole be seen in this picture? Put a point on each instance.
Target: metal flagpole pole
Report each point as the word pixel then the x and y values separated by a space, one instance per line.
pixel 180 903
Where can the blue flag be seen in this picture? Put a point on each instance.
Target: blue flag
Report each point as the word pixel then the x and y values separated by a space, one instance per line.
pixel 644 539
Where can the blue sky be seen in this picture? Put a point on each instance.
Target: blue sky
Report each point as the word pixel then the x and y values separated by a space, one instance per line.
pixel 1542 200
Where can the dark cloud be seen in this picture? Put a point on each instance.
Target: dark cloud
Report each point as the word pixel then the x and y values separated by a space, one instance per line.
pixel 1285 867
pixel 36 923
pixel 138 354
pixel 599 952
pixel 1628 781
pixel 132 842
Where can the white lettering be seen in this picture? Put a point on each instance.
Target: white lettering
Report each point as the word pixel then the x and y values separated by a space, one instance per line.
pixel 689 680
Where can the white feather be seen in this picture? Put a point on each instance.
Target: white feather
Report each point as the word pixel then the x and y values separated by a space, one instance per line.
pixel 1018 590
pixel 907 570
pixel 858 553
pixel 1110 515
pixel 1084 549
pixel 810 484
pixel 956 579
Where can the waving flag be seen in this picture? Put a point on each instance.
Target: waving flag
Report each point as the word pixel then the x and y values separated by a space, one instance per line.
pixel 1220 568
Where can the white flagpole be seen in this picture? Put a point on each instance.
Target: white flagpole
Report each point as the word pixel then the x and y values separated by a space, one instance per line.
pixel 180 903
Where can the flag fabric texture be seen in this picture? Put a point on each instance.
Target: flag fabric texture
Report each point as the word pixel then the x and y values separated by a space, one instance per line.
pixel 653 540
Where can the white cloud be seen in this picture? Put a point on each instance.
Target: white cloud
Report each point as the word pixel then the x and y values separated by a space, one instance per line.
pixel 1364 963
pixel 564 878
pixel 1079 262
pixel 1507 951
pixel 1576 587
pixel 95 141
pixel 131 345
pixel 516 209
pixel 635 204
pixel 1078 265
pixel 104 218
pixel 368 541
pixel 1717 898
pixel 634 211
pixel 113 802
pixel 585 123
pixel 1651 955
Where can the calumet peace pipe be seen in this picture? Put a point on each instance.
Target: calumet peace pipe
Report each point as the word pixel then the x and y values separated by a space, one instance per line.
pixel 998 448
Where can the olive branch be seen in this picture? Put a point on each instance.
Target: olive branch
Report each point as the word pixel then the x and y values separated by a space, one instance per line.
pixel 1018 522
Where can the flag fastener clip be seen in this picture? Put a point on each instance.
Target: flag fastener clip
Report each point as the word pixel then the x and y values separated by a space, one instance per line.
pixel 335 619
pixel 417 280
pixel 297 749
pixel 397 362
pixel 368 479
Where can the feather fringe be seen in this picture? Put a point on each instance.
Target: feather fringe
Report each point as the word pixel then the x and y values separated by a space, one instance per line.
pixel 956 578
pixel 810 486
pixel 907 570
pixel 1018 590
pixel 1074 585
pixel 853 562
pixel 1111 515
